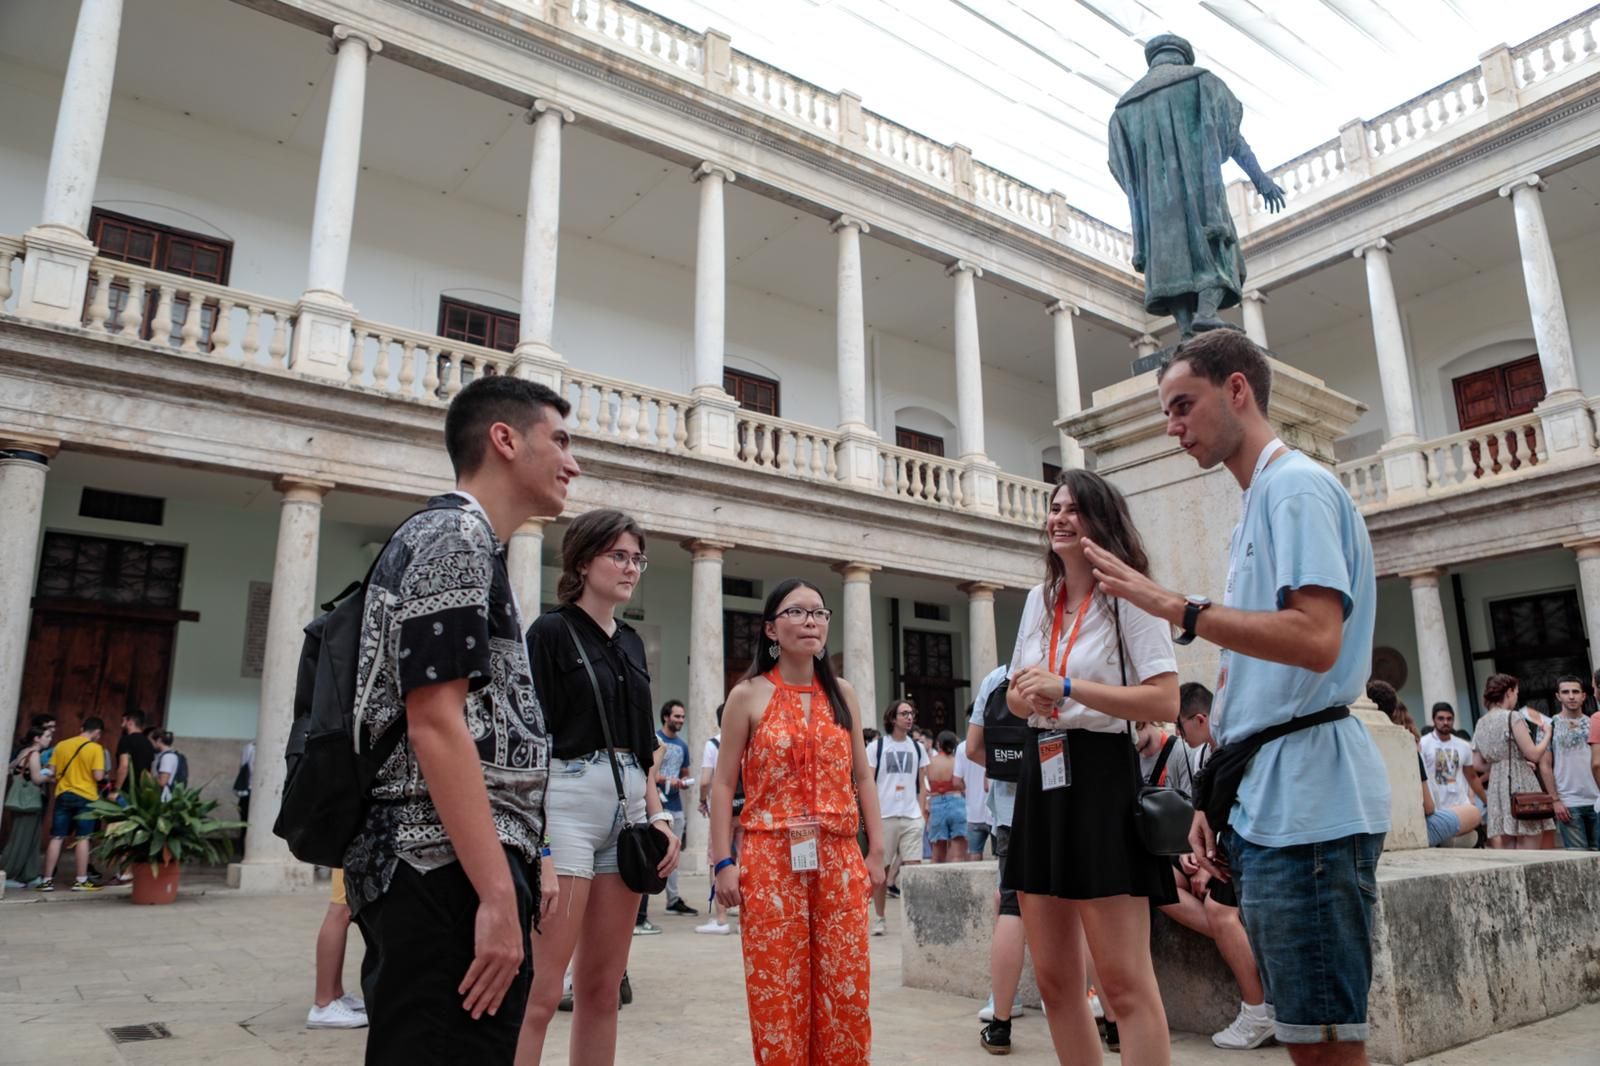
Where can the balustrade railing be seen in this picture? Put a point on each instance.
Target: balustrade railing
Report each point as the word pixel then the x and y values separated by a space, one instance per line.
pixel 10 255
pixel 415 365
pixel 1556 49
pixel 1024 500
pixel 787 447
pixel 193 317
pixel 1008 196
pixel 910 151
pixel 910 475
pixel 777 90
pixel 1462 461
pixel 632 28
pixel 627 413
pixel 1098 237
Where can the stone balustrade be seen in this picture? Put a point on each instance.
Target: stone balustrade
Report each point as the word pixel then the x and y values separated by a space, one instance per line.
pixel 197 318
pixel 626 27
pixel 1006 195
pixel 1505 79
pixel 1488 455
pixel 189 318
pixel 799 101
pixel 908 150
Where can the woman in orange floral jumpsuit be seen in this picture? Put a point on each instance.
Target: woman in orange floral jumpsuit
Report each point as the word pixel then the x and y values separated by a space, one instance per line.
pixel 795 732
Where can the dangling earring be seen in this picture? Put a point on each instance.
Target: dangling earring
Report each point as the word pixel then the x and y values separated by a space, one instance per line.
pixel 772 649
pixel 821 655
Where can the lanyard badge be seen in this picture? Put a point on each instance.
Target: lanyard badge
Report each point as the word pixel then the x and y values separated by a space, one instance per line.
pixel 1055 767
pixel 1072 638
pixel 803 836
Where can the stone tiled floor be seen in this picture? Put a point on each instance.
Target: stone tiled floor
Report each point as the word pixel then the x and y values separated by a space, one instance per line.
pixel 231 977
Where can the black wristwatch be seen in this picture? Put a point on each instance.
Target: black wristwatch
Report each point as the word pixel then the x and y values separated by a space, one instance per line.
pixel 1191 615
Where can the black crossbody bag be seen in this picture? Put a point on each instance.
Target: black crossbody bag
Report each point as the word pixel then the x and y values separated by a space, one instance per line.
pixel 640 848
pixel 1161 815
pixel 1216 786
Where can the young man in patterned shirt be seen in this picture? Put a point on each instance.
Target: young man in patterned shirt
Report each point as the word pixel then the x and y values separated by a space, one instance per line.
pixel 445 876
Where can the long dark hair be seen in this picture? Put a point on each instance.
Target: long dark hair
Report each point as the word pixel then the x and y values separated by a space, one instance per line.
pixel 765 660
pixel 590 534
pixel 1103 515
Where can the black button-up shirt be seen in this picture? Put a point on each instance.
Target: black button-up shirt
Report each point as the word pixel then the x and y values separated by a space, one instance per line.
pixel 567 697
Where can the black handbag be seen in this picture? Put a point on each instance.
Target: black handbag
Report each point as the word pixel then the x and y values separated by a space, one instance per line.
pixel 1161 815
pixel 640 848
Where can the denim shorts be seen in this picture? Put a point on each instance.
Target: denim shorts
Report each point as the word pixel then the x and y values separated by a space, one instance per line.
pixel 1308 911
pixel 71 815
pixel 978 834
pixel 947 817
pixel 582 818
pixel 1443 827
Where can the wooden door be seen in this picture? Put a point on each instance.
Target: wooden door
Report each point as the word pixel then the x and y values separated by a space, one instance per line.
pixel 741 637
pixel 929 679
pixel 88 662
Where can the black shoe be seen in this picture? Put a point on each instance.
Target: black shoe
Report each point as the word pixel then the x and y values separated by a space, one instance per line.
pixel 893 891
pixel 678 906
pixel 996 1037
pixel 1113 1039
pixel 626 992
pixel 566 1002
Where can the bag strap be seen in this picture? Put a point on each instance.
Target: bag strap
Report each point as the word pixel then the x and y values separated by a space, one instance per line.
pixel 1161 760
pixel 879 763
pixel 75 753
pixel 600 709
pixel 1133 735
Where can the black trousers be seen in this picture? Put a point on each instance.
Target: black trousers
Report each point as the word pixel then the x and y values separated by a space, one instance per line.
pixel 419 937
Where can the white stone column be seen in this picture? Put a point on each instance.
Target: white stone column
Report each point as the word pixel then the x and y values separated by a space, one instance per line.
pixel 706 676
pixel 267 865
pixel 536 357
pixel 1588 553
pixel 55 270
pixel 1069 400
pixel 1254 308
pixel 1568 431
pixel 323 318
pixel 23 466
pixel 979 483
pixel 712 424
pixel 525 562
pixel 1403 470
pixel 983 651
pixel 1433 640
pixel 858 444
pixel 860 660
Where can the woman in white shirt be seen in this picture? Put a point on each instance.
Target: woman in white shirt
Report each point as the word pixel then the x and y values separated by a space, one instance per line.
pixel 1075 857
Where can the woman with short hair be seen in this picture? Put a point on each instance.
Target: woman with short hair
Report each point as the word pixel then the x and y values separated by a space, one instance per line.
pixel 602 561
pixel 1087 667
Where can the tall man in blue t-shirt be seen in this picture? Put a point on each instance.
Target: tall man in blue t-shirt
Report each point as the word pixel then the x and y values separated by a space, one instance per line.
pixel 1295 628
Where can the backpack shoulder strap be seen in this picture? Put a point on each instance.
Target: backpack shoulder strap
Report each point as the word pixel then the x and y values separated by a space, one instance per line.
pixel 878 762
pixel 1160 768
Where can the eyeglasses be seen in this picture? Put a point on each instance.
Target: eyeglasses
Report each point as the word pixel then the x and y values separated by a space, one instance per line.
pixel 623 560
pixel 800 614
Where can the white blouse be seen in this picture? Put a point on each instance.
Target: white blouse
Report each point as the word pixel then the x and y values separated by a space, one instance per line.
pixel 1148 641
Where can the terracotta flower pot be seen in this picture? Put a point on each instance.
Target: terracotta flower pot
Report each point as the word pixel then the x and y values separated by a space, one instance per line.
pixel 158 887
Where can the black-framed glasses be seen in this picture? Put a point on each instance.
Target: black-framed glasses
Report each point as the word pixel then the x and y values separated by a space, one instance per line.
pixel 800 614
pixel 623 560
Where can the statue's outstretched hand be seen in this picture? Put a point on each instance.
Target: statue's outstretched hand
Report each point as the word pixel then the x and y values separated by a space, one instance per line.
pixel 1272 192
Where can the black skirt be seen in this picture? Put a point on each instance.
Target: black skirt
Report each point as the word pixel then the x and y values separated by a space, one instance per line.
pixel 1079 842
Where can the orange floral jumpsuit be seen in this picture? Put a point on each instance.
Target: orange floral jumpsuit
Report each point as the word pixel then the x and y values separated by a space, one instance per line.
pixel 805 942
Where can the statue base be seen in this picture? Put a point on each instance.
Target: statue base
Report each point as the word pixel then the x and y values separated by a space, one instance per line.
pixel 1146 363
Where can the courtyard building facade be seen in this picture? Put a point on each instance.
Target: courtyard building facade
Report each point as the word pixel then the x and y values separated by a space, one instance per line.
pixel 249 251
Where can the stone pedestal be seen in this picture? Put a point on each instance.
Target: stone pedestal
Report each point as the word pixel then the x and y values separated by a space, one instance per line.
pixel 540 363
pixel 950 911
pixel 55 275
pixel 980 485
pixel 24 469
pixel 1408 829
pixel 322 337
pixel 1568 427
pixel 858 459
pixel 714 423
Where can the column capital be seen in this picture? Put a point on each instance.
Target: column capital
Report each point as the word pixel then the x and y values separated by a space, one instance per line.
pixel 542 106
pixel 302 489
pixel 1528 181
pixel 848 220
pixel 707 549
pixel 342 34
pixel 1584 549
pixel 980 590
pixel 1061 307
pixel 1144 340
pixel 29 447
pixel 856 571
pixel 532 527
pixel 707 169
pixel 1425 577
pixel 1382 244
pixel 1255 295
pixel 962 265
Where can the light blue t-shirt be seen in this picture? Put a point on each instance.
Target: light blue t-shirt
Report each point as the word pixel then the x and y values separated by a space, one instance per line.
pixel 1002 794
pixel 1327 782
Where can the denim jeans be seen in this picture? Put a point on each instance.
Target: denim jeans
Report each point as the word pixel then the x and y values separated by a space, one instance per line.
pixel 1583 832
pixel 1308 911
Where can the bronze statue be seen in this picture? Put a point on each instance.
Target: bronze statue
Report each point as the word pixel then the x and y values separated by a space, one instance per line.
pixel 1169 136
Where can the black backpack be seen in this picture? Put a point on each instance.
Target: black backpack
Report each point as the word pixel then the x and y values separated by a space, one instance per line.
pixel 1005 736
pixel 180 776
pixel 326 789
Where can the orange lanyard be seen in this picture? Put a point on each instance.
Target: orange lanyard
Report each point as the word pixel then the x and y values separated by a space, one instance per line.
pixel 1072 638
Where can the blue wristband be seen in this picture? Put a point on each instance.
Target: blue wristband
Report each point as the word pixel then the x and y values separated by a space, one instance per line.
pixel 1066 688
pixel 722 864
pixel 544 853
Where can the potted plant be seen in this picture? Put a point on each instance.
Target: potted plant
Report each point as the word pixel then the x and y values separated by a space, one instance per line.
pixel 152 836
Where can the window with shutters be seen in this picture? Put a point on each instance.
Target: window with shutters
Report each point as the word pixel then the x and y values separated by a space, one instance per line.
pixel 917 441
pixel 1051 474
pixel 476 324
pixel 754 392
pixel 1500 392
pixel 128 239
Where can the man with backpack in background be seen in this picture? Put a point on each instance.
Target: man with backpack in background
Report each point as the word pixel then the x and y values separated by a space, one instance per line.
pixel 897 763
pixel 171 765
pixel 448 874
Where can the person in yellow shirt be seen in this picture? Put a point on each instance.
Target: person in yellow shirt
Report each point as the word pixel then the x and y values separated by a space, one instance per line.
pixel 79 764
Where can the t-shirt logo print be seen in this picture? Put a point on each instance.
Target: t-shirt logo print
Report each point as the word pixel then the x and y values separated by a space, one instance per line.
pixel 898 762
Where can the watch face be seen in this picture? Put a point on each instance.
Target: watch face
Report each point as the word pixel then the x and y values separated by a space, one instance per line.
pixel 1199 601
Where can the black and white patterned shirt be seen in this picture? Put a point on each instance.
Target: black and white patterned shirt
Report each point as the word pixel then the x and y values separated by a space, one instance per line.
pixel 440 608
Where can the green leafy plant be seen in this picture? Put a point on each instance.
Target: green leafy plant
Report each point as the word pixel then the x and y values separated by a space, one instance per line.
pixel 150 829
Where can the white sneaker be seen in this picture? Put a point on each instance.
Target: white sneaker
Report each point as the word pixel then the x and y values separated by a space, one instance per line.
pixel 1250 1029
pixel 987 1013
pixel 714 928
pixel 1094 1006
pixel 335 1016
pixel 879 927
pixel 355 1003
